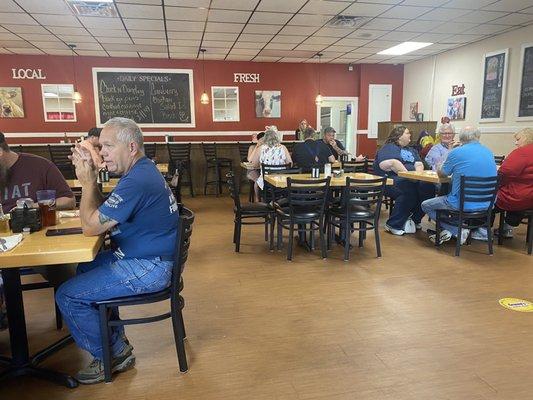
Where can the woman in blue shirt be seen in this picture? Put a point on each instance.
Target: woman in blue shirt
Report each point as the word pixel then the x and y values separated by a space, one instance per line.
pixel 396 156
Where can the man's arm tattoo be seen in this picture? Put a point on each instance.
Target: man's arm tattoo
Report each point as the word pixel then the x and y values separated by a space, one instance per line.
pixel 103 218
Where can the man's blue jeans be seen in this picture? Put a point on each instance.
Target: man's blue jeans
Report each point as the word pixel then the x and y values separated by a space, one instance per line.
pixel 431 206
pixel 407 195
pixel 105 278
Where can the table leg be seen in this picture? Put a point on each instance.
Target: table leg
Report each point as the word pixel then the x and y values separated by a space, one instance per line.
pixel 20 363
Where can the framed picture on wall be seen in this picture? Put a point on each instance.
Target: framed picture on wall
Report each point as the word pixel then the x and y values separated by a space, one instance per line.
pixel 456 108
pixel 11 105
pixel 268 104
pixel 413 110
pixel 494 85
pixel 525 101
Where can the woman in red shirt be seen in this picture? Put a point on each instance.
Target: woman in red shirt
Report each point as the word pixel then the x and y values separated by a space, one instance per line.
pixel 516 186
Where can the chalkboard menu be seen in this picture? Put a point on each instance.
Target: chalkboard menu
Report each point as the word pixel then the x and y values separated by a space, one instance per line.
pixel 150 97
pixel 525 107
pixel 494 81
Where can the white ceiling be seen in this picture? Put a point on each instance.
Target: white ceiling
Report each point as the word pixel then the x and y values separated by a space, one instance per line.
pixel 256 30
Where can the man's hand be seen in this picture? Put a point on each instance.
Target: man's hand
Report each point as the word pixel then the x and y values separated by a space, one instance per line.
pixel 83 162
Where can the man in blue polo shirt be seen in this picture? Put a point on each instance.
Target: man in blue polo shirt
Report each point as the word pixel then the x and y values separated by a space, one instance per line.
pixel 469 159
pixel 311 152
pixel 141 216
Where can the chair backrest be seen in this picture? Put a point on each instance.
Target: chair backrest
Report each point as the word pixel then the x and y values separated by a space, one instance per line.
pixel 366 193
pixel 499 159
pixel 308 194
pixel 273 168
pixel 243 150
pixel 184 232
pixel 178 152
pixel 149 150
pixel 370 165
pixel 59 154
pixel 210 150
pixel 233 190
pixel 478 190
pixel 289 146
pixel 355 166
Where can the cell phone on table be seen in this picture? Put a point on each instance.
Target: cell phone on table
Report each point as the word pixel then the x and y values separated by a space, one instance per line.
pixel 64 231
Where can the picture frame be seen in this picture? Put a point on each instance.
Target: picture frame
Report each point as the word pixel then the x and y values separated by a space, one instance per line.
pixel 456 108
pixel 494 85
pixel 525 92
pixel 268 103
pixel 413 110
pixel 11 103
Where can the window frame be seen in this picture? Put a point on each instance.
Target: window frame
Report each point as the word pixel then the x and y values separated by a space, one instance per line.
pixel 46 119
pixel 238 114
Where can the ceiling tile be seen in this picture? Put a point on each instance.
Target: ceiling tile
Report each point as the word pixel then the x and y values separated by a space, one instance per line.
pixel 186 14
pixel 17 18
pixel 25 50
pixel 160 42
pixel 89 46
pixel 221 36
pixel 406 12
pixel 247 45
pixel 184 48
pixel 208 44
pixel 527 10
pixel 149 2
pixel 260 17
pixel 292 59
pixel 107 32
pixel 320 40
pixel 288 39
pixel 234 4
pixel 187 43
pixel 45 7
pixel 398 35
pixel 443 14
pixel 309 20
pixel 135 47
pixel 148 54
pixel 223 27
pixel 228 16
pixel 419 26
pixel 246 52
pixel 149 34
pixel 514 19
pixel 366 10
pixel 333 32
pixel 340 48
pixel 182 56
pixel 105 23
pixel 508 5
pixel 323 7
pixel 232 57
pixel 366 34
pixel 51 45
pixel 385 24
pixel 280 5
pixel 280 46
pixel 185 35
pixel 8 36
pixel 486 29
pixel 453 27
pixel 57 20
pixel 191 26
pixel 92 53
pixel 67 30
pixel 261 28
pixel 187 3
pixel 432 37
pixel 26 28
pixel 14 43
pixel 298 30
pixel 140 11
pixel 117 39
pixel 352 42
pixel 9 6
pixel 265 59
pixel 213 56
pixel 123 54
pixel 4 51
pixel 77 39
pixel 56 52
pixel 467 4
pixel 145 24
pixel 479 16
pixel 462 38
pixel 252 37
pixel 427 3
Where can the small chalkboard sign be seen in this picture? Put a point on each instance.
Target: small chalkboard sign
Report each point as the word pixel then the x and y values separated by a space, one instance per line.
pixel 525 104
pixel 494 83
pixel 150 97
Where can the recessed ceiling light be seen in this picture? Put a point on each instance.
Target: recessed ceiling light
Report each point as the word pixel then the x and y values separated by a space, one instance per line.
pixel 404 48
pixel 93 8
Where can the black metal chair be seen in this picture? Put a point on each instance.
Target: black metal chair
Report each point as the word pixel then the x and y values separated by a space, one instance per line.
pixel 472 190
pixel 528 220
pixel 150 150
pixel 499 159
pixel 360 204
pixel 305 206
pixel 59 156
pixel 108 319
pixel 216 164
pixel 271 193
pixel 243 150
pixel 249 211
pixel 289 146
pixel 42 285
pixel 354 166
pixel 175 181
pixel 179 157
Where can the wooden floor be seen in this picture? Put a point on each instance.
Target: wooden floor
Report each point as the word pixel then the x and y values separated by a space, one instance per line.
pixel 415 324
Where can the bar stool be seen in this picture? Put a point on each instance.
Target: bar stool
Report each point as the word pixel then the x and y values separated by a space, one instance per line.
pixel 179 156
pixel 243 153
pixel 150 150
pixel 59 156
pixel 215 163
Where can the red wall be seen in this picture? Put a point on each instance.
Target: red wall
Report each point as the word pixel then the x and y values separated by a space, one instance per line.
pixel 298 84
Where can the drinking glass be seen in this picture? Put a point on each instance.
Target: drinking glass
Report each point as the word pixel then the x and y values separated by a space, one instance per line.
pixel 47 204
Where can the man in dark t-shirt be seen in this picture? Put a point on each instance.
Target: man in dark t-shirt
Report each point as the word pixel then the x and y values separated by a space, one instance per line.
pixel 335 146
pixel 311 152
pixel 22 175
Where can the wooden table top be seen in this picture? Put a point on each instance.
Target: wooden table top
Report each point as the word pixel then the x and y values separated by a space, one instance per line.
pixel 249 166
pixel 37 249
pixel 280 180
pixel 106 186
pixel 163 168
pixel 425 176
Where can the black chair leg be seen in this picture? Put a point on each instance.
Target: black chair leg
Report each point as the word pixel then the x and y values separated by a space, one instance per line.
pixel 459 236
pixel 280 235
pixel 529 234
pixel 189 173
pixel 489 237
pixel 272 221
pixel 217 179
pixel 238 237
pixel 362 226
pixel 378 242
pixel 266 228
pixel 59 319
pixel 179 336
pixel 291 239
pixel 106 348
pixel 206 178
pixel 347 234
pixel 501 227
pixel 323 245
pixel 437 230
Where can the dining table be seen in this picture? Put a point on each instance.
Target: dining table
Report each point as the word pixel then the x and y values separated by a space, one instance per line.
pixel 424 176
pixel 107 187
pixel 280 180
pixel 250 166
pixel 35 250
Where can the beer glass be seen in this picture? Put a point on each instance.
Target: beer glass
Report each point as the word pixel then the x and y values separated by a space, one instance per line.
pixel 47 204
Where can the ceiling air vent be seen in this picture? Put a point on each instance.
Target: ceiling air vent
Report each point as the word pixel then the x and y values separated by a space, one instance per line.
pixel 346 21
pixel 93 8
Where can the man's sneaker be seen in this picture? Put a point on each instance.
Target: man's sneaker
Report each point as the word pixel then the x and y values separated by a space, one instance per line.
pixel 94 372
pixel 397 232
pixel 507 233
pixel 418 226
pixel 443 237
pixel 464 235
pixel 480 234
pixel 409 226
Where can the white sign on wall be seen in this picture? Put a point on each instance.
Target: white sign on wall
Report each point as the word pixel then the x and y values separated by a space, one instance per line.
pixel 245 77
pixel 27 73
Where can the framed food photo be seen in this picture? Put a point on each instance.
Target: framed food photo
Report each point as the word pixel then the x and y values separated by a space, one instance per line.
pixel 11 105
pixel 494 86
pixel 525 101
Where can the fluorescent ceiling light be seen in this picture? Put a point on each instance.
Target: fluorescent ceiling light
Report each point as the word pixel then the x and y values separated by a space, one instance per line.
pixel 91 1
pixel 404 48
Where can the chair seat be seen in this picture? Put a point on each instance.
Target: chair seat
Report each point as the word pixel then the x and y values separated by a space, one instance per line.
pixel 302 215
pixel 356 212
pixel 254 208
pixel 219 160
pixel 466 214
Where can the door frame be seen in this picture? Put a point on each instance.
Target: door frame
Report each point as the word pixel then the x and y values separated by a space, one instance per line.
pixel 354 116
pixel 370 108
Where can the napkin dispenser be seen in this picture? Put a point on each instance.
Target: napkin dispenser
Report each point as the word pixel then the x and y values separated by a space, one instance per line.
pixel 24 216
